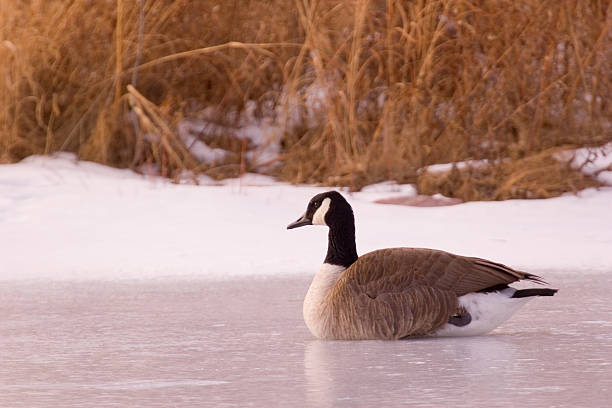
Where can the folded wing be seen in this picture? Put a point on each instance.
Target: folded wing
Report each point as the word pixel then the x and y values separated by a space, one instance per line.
pixel 400 292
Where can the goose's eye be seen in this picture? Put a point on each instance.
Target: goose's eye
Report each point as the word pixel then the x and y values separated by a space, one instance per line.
pixel 316 204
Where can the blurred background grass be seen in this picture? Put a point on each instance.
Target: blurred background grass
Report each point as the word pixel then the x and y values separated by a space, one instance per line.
pixel 335 92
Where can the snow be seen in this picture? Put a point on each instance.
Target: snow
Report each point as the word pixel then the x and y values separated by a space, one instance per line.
pixel 387 189
pixel 593 161
pixel 444 167
pixel 63 220
pixel 201 151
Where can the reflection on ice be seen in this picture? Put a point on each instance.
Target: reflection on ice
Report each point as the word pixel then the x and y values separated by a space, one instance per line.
pixel 417 370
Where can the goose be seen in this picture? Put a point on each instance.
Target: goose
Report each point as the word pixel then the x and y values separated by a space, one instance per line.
pixel 396 293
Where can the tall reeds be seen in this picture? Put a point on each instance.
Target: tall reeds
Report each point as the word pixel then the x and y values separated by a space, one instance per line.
pixel 364 90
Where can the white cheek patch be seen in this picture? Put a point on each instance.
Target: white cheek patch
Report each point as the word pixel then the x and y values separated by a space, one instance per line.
pixel 319 215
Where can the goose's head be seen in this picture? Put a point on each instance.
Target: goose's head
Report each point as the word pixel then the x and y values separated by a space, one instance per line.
pixel 333 210
pixel 328 208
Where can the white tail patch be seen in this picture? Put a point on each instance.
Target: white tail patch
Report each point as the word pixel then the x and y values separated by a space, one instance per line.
pixel 319 216
pixel 488 310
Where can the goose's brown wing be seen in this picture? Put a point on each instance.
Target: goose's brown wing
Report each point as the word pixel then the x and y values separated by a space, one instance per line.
pixel 399 292
pixel 396 269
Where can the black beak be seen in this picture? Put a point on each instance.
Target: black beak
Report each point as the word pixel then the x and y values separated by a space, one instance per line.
pixel 303 220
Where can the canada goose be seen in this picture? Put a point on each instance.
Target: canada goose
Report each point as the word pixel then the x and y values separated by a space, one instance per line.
pixel 400 292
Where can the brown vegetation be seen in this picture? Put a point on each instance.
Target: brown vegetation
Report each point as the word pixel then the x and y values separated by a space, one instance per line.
pixel 399 85
pixel 537 176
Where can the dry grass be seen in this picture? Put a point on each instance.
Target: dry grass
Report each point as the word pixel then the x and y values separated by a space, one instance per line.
pixel 537 176
pixel 399 84
pixel 452 80
pixel 66 66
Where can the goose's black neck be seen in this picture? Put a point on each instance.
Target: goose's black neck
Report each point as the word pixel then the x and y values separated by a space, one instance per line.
pixel 341 248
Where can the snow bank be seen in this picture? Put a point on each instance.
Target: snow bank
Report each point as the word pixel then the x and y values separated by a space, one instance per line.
pixel 66 220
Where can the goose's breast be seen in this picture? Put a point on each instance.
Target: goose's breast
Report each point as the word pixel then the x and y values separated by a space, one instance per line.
pixel 316 298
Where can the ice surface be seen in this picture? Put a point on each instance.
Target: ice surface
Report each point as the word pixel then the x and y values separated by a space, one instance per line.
pixel 63 220
pixel 242 343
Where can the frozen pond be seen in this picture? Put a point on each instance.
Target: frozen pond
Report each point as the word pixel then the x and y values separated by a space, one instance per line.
pixel 243 343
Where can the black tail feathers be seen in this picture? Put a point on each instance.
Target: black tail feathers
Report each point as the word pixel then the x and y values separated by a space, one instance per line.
pixel 521 293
